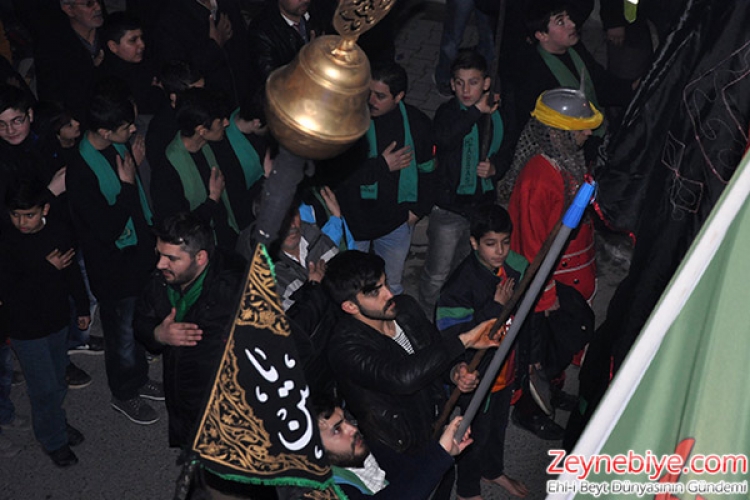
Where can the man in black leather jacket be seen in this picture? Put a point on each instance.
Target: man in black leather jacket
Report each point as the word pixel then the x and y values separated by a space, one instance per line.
pixel 279 31
pixel 389 360
pixel 184 312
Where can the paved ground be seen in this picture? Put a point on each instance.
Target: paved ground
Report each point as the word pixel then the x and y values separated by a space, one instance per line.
pixel 124 461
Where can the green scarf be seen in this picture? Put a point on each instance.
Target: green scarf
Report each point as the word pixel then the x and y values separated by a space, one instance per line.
pixel 408 177
pixel 470 156
pixel 110 186
pixel 567 79
pixel 183 302
pixel 245 152
pixel 192 184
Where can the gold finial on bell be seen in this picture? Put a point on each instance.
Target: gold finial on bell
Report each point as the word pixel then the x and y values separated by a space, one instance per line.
pixel 316 105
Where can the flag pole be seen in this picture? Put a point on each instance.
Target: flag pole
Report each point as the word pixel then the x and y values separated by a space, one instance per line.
pixel 570 221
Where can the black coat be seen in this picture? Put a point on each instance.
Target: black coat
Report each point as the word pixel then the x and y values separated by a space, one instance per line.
pixel 395 396
pixel 189 371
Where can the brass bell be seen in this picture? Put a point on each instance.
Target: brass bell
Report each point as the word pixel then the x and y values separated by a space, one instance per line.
pixel 316 106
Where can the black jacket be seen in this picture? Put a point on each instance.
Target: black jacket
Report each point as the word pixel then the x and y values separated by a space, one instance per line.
pixel 113 273
pixel 370 219
pixel 395 396
pixel 183 34
pixel 451 125
pixel 189 371
pixel 273 43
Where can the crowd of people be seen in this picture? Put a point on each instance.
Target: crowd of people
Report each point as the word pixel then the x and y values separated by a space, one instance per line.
pixel 131 176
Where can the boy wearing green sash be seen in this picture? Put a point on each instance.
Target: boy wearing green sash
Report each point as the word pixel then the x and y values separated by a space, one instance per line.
pixel 463 179
pixel 189 177
pixel 113 222
pixel 390 172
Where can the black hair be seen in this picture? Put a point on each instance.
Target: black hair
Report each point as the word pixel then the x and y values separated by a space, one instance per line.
pixel 489 218
pixel 351 272
pixel 469 59
pixel 392 75
pixel 323 404
pixel 11 97
pixel 539 13
pixel 176 76
pixel 112 105
pixel 49 118
pixel 187 230
pixel 198 106
pixel 25 193
pixel 117 24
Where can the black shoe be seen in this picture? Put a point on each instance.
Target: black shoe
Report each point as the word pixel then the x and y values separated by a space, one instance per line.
pixel 94 346
pixel 63 457
pixel 564 401
pixel 75 437
pixel 540 425
pixel 152 390
pixel 76 378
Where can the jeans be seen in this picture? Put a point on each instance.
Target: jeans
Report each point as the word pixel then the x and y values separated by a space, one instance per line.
pixel 78 337
pixel 485 458
pixel 7 410
pixel 393 248
pixel 124 357
pixel 457 15
pixel 448 236
pixel 43 362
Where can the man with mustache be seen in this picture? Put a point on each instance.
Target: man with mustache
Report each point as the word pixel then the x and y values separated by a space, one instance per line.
pixel 389 360
pixel 67 55
pixel 356 471
pixel 184 312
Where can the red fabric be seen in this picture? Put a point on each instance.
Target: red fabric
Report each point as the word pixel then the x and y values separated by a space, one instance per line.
pixel 536 204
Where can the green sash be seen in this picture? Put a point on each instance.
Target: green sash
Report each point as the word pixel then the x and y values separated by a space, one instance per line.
pixel 470 156
pixel 567 79
pixel 183 303
pixel 192 184
pixel 110 186
pixel 408 178
pixel 245 152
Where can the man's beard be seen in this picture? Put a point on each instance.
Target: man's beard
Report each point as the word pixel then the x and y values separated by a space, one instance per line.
pixel 387 313
pixel 352 459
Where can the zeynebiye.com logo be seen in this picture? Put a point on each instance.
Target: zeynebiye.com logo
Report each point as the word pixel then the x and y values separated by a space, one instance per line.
pixel 654 466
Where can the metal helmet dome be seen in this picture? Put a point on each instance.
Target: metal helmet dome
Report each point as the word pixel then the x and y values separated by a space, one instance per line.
pixel 567 109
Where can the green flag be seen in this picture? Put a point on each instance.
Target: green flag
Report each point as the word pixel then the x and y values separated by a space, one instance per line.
pixel 677 415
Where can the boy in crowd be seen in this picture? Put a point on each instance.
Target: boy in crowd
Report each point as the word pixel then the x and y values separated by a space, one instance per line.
pixel 39 269
pixel 463 179
pixel 190 179
pixel 113 220
pixel 390 187
pixel 477 291
pixel 22 153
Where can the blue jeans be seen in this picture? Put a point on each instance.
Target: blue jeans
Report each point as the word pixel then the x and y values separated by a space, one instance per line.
pixel 457 14
pixel 393 248
pixel 124 357
pixel 7 410
pixel 43 362
pixel 448 236
pixel 78 337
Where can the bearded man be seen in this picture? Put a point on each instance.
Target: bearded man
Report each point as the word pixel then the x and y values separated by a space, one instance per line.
pixel 184 313
pixel 358 473
pixel 390 361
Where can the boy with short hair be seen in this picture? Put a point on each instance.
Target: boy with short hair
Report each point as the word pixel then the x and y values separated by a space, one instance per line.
pixel 40 272
pixel 113 219
pixel 126 57
pixel 477 291
pixel 464 180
